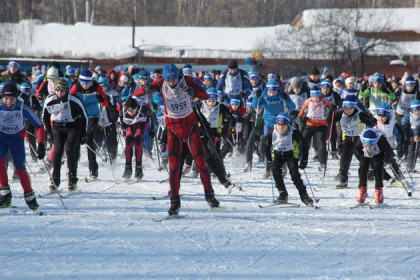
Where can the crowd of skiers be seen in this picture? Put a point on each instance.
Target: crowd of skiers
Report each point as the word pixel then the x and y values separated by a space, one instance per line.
pixel 194 120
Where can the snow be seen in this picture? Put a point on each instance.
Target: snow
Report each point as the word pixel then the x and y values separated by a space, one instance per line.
pixel 107 231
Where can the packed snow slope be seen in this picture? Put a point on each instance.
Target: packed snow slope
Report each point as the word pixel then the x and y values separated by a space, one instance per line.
pixel 108 232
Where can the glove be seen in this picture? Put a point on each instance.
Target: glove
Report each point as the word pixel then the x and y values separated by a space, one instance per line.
pixel 268 166
pixel 258 93
pixel 155 106
pixel 242 95
pixel 303 164
pixel 223 98
pixel 298 120
pixel 232 130
pixel 283 95
pixel 100 98
pixel 41 150
pixel 190 91
pixel 152 133
pixel 82 140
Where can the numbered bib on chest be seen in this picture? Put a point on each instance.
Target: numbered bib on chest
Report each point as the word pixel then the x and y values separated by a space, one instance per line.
pixel 316 111
pixel 350 124
pixel 178 102
pixel 233 84
pixel 60 112
pixel 211 114
pixel 11 122
pixel 282 143
pixel 103 119
pixel 404 102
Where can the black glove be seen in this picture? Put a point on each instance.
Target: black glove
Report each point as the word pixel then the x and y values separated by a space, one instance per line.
pixel 283 95
pixel 152 133
pixel 268 166
pixel 223 98
pixel 41 150
pixel 191 91
pixel 82 140
pixel 100 98
pixel 303 164
pixel 242 95
pixel 155 106
pixel 232 130
pixel 258 93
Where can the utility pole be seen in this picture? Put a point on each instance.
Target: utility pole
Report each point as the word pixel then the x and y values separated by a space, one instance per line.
pixel 87 12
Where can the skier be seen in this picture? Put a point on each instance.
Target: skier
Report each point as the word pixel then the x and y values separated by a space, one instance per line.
pixel 12 133
pixel 299 93
pixel 409 92
pixel 316 112
pixel 92 95
pixel 282 147
pixel 14 74
pixel 68 129
pixel 183 134
pixel 372 148
pixel 135 119
pixel 350 117
pixel 377 94
pixel 242 123
pixel 233 82
pixel 411 128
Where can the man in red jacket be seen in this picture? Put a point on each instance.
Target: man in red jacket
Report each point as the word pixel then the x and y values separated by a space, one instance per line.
pixel 181 122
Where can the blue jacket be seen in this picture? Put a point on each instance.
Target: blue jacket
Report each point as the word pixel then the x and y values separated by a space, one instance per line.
pixel 246 84
pixel 273 105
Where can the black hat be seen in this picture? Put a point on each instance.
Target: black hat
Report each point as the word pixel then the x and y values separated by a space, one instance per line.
pixel 131 104
pixel 313 71
pixel 232 64
pixel 9 89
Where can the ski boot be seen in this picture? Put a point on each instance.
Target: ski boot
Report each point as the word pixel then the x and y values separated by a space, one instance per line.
pixel 94 175
pixel 283 197
pixel 342 185
pixel 211 200
pixel 334 155
pixel 307 201
pixel 175 206
pixel 138 174
pixel 396 182
pixel 322 167
pixel 128 170
pixel 31 200
pixel 72 186
pixel 379 196
pixel 362 194
pixel 53 186
pixel 5 196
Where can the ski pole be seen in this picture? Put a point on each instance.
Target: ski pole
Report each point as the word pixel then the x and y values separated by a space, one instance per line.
pixel 272 184
pixel 307 179
pixel 93 151
pixel 109 155
pixel 401 177
pixel 406 168
pixel 331 126
pixel 101 148
pixel 49 174
pixel 415 155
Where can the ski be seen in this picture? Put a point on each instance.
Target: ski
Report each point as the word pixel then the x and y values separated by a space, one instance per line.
pixel 163 197
pixel 287 204
pixel 311 206
pixel 49 193
pixel 377 205
pixel 90 180
pixel 219 208
pixel 16 210
pixel 359 204
pixel 69 193
pixel 168 217
pixel 233 188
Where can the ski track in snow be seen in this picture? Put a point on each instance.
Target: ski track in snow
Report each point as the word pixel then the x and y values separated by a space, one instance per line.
pixel 107 231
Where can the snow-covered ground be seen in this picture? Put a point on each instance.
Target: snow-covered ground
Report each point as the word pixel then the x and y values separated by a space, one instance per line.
pixel 107 231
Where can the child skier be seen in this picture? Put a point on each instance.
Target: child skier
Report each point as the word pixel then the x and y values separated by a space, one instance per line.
pixel 282 147
pixel 13 112
pixel 135 119
pixel 411 128
pixel 350 117
pixel 372 149
pixel 69 123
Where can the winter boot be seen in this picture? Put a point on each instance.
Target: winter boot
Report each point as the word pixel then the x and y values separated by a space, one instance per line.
pixel 31 200
pixel 337 177
pixel 175 206
pixel 127 171
pixel 138 174
pixel 5 196
pixel 362 194
pixel 307 200
pixel 396 182
pixel 379 196
pixel 283 197
pixel 53 186
pixel 248 167
pixel 211 200
pixel 72 186
pixel 334 155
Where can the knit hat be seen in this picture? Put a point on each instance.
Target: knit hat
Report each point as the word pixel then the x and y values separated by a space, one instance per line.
pixel 208 77
pixel 13 64
pixel 9 89
pixel 61 85
pixel 232 64
pixel 131 104
pixel 212 93
pixel 350 101
pixel 296 82
pixel 97 68
pixel 383 109
pixel 272 85
pixel 271 76
pixel 410 82
pixel 283 118
pixel 85 77
pixel 415 105
pixel 349 80
pixel 25 87
pixel 235 101
pixel 187 69
pixel 313 71
pixel 315 92
pixel 326 83
pixel 124 78
pixel 170 72
pixel 103 82
pixel 143 74
pixel 253 75
pixel 369 137
pixel 378 78
pixel 52 73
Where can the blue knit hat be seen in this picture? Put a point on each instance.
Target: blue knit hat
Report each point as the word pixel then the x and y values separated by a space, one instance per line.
pixel 350 101
pixel 315 92
pixel 208 77
pixel 383 109
pixel 272 85
pixel 170 72
pixel 187 69
pixel 378 78
pixel 212 93
pixel 103 81
pixel 13 63
pixel 369 137
pixel 253 75
pixel 415 105
pixel 235 101
pixel 326 83
pixel 283 118
pixel 410 82
pixel 85 77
